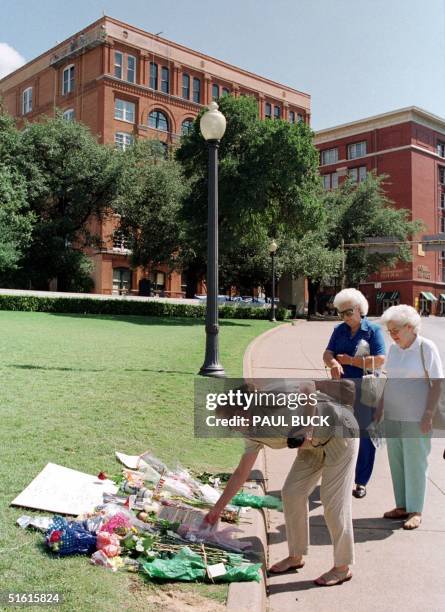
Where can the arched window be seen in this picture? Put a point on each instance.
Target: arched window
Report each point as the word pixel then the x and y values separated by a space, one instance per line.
pixel 158 120
pixel 68 115
pixel 215 91
pixel 186 86
pixel 291 117
pixel 225 91
pixel 187 126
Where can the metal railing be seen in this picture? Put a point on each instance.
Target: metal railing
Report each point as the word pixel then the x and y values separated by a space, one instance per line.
pixel 79 44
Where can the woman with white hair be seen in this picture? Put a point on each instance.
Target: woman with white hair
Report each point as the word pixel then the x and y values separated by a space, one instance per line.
pixel 409 407
pixel 356 345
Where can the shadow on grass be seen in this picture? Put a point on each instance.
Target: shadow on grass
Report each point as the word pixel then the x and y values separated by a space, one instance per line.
pixel 151 320
pixel 29 366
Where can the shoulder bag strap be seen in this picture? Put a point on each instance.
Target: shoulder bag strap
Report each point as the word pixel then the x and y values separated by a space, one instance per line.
pixel 422 356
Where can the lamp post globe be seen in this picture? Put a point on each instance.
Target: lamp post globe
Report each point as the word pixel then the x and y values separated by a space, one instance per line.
pixel 273 246
pixel 212 123
pixel 212 126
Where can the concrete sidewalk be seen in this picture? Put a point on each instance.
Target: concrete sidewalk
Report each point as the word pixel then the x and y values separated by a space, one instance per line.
pixel 395 569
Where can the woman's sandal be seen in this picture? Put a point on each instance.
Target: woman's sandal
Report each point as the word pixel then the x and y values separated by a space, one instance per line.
pixel 284 566
pixel 397 513
pixel 413 521
pixel 333 577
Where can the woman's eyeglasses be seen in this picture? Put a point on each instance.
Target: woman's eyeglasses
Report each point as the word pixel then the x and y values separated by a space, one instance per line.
pixel 346 313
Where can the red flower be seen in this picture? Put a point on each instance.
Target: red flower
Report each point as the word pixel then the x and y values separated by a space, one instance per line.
pixel 102 476
pixel 55 536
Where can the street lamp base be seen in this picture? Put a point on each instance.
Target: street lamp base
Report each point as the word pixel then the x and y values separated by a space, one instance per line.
pixel 216 370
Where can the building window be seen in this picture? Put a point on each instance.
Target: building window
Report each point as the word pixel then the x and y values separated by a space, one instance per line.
pixel 196 90
pixel 186 127
pixel 300 118
pixel 27 101
pixel 131 69
pixel 186 86
pixel 165 80
pixel 291 117
pixel 158 121
pixel 442 175
pixel 153 75
pixel 121 281
pixel 268 110
pixel 225 91
pixel 123 110
pixel 121 241
pixel 358 149
pixel 68 80
pixel 441 149
pixel 118 62
pixel 276 112
pixel 357 174
pixel 442 225
pixel 442 199
pixel 329 156
pixel 330 181
pixel 123 140
pixel 215 91
pixel 69 114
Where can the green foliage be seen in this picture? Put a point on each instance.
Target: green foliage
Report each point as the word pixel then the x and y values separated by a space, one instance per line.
pixel 94 306
pixel 358 211
pixel 149 198
pixel 16 221
pixel 70 179
pixel 268 188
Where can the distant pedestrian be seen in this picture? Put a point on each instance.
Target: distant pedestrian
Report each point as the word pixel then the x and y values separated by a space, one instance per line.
pixel 355 346
pixel 409 407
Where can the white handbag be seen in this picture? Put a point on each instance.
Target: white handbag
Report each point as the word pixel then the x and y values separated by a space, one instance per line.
pixel 372 386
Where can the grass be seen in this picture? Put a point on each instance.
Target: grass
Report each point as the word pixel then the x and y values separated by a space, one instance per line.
pixel 74 390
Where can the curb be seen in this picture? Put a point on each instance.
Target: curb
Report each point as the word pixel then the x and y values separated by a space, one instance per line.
pixel 252 596
pixel 247 359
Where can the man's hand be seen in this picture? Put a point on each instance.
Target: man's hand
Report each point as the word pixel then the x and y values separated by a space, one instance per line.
pixel 336 370
pixel 426 423
pixel 212 517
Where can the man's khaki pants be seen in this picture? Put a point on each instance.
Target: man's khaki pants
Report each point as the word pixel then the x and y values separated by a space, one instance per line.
pixel 337 477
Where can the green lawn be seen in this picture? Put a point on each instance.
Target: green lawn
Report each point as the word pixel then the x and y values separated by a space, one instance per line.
pixel 74 390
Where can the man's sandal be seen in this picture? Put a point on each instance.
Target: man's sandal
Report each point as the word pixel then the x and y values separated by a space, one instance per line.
pixel 333 577
pixel 284 566
pixel 397 513
pixel 413 521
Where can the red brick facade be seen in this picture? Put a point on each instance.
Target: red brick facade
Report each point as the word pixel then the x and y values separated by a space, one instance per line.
pixel 112 90
pixel 406 145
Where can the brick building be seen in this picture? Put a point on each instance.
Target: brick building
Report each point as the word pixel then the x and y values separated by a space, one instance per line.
pixel 125 83
pixel 409 146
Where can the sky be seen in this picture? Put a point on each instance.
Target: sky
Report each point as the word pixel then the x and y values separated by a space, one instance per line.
pixel 356 58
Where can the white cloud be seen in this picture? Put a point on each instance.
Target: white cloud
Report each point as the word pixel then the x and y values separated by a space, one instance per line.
pixel 10 59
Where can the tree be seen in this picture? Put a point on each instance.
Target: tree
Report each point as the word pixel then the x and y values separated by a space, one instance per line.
pixel 268 188
pixel 358 211
pixel 70 178
pixel 16 222
pixel 151 189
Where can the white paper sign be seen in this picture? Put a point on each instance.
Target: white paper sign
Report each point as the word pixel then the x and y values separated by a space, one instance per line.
pixel 63 490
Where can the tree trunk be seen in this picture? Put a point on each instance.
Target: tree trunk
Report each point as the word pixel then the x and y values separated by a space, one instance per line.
pixel 313 288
